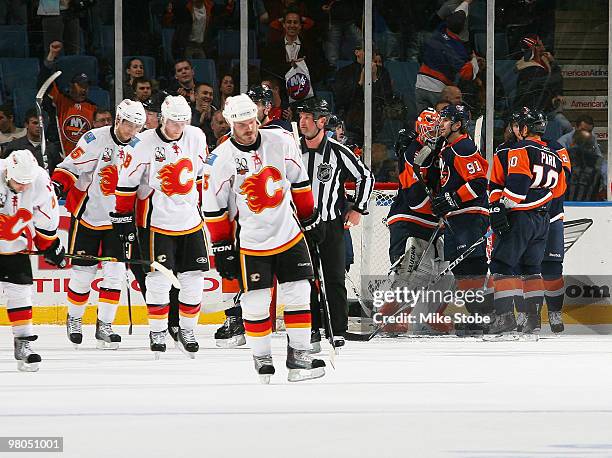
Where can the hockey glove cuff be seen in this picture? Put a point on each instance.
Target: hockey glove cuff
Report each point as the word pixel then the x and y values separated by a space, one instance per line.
pixel 445 203
pixel 226 259
pixel 499 219
pixel 124 227
pixel 55 254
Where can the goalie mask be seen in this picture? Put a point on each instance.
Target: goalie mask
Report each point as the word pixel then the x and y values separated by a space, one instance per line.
pixel 427 126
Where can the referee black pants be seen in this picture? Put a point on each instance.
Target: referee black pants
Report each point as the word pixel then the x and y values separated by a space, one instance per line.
pixel 332 252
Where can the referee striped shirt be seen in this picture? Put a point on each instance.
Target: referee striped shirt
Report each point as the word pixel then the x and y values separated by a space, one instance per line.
pixel 329 166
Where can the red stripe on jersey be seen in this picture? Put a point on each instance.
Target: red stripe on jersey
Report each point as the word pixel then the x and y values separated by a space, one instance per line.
pixel 110 296
pixel 219 228
pixel 297 320
pixel 304 202
pixel 258 328
pixel 20 315
pixel 74 200
pixel 158 310
pixel 78 298
pixel 125 202
pixel 64 177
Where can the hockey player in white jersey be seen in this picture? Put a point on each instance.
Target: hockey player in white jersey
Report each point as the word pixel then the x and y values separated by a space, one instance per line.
pixel 29 216
pixel 257 178
pixel 159 191
pixel 89 176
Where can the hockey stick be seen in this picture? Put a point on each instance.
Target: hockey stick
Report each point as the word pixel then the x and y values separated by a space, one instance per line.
pixel 39 100
pixel 126 248
pixel 318 271
pixel 478 131
pixel 445 271
pixel 86 257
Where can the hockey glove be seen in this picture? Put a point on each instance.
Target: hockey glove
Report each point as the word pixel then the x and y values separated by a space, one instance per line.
pixel 313 229
pixel 55 254
pixel 499 219
pixel 226 259
pixel 124 227
pixel 445 203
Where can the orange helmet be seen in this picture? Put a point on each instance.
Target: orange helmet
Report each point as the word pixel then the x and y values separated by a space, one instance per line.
pixel 427 126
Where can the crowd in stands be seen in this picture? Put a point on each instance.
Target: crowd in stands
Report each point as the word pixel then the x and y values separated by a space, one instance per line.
pixel 425 54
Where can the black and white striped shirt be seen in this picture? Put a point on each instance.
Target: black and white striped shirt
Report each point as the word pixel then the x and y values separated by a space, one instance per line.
pixel 329 166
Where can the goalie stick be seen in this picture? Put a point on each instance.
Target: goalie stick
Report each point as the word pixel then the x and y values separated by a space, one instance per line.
pixel 85 257
pixel 39 100
pixel 449 268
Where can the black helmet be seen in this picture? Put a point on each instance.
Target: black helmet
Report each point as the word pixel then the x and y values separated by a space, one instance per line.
pixel 333 122
pixel 152 105
pixel 532 118
pixel 260 93
pixel 456 113
pixel 315 105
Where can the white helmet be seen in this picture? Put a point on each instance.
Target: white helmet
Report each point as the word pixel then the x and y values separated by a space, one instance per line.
pixel 131 111
pixel 21 166
pixel 239 108
pixel 176 108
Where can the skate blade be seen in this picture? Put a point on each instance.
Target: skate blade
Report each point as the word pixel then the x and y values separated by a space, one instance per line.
pixel 529 337
pixel 298 375
pixel 500 337
pixel 104 345
pixel 232 342
pixel 156 355
pixel 27 367
pixel 190 355
pixel 332 357
pixel 265 379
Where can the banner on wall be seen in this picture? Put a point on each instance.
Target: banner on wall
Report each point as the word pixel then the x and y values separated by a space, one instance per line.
pixel 584 71
pixel 585 102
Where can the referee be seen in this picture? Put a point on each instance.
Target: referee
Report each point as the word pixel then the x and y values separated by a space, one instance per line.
pixel 329 165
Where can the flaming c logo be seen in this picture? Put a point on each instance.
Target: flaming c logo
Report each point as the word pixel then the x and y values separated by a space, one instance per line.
pixel 8 223
pixel 108 179
pixel 170 177
pixel 255 188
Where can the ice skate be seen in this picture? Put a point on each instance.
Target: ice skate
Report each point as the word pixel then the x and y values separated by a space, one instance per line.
pixel 556 322
pixel 187 342
pixel 264 368
pixel 27 360
pixel 174 332
pixel 231 334
pixel 502 328
pixel 302 366
pixel 74 330
pixel 158 342
pixel 315 340
pixel 106 338
pixel 531 328
pixel 521 319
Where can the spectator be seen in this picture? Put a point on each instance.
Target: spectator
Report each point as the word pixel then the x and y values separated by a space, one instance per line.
pixel 557 123
pixel 102 118
pixel 74 112
pixel 586 182
pixel 452 6
pixel 204 108
pixel 14 12
pixel 452 95
pixel 445 60
pixel 278 58
pixel 218 128
pixel 344 15
pixel 134 69
pixel 227 88
pixel 277 111
pixel 276 12
pixel 152 110
pixel 192 22
pixel 184 83
pixel 32 142
pixel 142 88
pixel 60 23
pixel 8 131
pixel 349 96
pixel 586 123
pixel 539 82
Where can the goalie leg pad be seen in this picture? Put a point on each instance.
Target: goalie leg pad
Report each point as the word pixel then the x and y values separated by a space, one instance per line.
pixel 295 295
pixel 79 288
pixel 19 308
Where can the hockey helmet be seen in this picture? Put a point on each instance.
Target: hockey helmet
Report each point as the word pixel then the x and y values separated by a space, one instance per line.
pixel 260 93
pixel 21 166
pixel 152 105
pixel 239 108
pixel 315 105
pixel 176 108
pixel 456 113
pixel 134 112
pixel 427 126
pixel 532 118
pixel 333 122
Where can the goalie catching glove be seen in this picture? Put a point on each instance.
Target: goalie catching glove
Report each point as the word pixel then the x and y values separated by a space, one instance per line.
pixel 313 229
pixel 226 259
pixel 445 203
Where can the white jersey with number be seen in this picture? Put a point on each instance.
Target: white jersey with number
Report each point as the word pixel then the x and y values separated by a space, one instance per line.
pixel 29 218
pixel 256 186
pixel 89 175
pixel 164 176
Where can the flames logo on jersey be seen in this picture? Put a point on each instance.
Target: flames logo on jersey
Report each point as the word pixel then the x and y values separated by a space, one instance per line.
pixel 171 178
pixel 9 229
pixel 255 188
pixel 109 176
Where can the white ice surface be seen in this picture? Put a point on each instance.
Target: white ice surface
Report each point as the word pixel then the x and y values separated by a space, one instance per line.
pixel 387 398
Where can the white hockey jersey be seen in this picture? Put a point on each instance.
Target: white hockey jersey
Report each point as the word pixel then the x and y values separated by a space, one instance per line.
pixel 29 218
pixel 89 175
pixel 251 185
pixel 164 178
